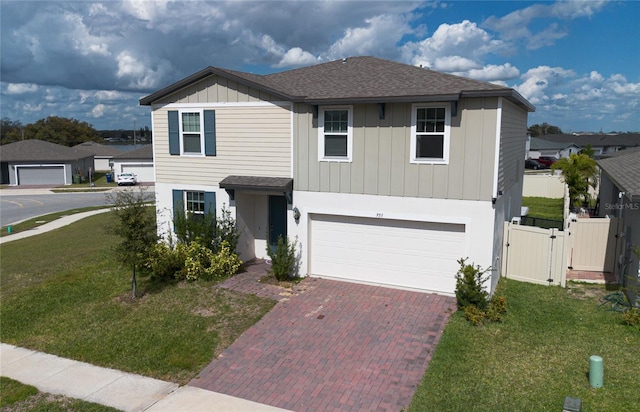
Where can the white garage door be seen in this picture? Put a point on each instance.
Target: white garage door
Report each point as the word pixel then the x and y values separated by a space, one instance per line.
pixel 144 172
pixel 41 175
pixel 408 254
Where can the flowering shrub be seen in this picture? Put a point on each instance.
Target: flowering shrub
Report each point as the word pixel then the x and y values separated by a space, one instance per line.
pixel 202 263
pixel 474 315
pixel 167 262
pixel 192 261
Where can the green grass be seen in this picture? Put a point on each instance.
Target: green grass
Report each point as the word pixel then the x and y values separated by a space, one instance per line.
pixel 41 220
pixel 544 207
pixel 536 357
pixel 64 293
pixel 15 396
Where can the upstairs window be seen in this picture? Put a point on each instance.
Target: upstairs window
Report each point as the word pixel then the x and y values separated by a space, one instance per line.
pixel 335 133
pixel 191 133
pixel 430 134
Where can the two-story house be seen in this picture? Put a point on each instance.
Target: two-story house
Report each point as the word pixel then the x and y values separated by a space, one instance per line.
pixel 385 173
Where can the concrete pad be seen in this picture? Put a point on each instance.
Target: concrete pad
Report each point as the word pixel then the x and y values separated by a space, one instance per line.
pixel 188 398
pixel 80 380
pixel 132 393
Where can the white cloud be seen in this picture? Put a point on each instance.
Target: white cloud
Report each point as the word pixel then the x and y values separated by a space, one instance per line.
pixel 455 64
pixel 98 110
pixel 466 38
pixel 20 88
pixel 538 81
pixel 381 34
pixel 297 57
pixel 494 73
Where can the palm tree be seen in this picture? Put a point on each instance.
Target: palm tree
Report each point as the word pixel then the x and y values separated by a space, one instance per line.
pixel 580 172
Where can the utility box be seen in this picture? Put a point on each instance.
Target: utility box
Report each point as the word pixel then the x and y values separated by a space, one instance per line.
pixel 572 405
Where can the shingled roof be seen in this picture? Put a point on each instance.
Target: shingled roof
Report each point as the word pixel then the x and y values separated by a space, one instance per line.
pixel 144 152
pixel 624 171
pixel 98 149
pixel 356 80
pixel 34 150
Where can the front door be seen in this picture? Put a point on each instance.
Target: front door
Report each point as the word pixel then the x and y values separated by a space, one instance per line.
pixel 277 219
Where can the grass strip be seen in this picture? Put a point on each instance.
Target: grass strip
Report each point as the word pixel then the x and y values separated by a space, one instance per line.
pixel 16 396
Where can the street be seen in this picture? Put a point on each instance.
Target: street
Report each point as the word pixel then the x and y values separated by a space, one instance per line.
pixel 17 207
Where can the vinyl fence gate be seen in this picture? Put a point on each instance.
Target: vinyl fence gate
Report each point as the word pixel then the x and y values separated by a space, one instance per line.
pixel 534 255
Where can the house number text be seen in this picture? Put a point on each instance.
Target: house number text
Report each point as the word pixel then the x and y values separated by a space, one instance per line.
pixel 379 215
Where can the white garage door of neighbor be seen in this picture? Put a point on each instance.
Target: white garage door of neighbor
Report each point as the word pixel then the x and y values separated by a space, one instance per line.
pixel 144 172
pixel 408 254
pixel 42 175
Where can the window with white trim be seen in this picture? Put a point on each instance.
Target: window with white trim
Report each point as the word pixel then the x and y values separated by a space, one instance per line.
pixel 335 133
pixel 430 130
pixel 194 203
pixel 191 136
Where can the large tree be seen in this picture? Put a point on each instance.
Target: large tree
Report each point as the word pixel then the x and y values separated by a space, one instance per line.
pixel 580 172
pixel 10 130
pixel 60 130
pixel 543 129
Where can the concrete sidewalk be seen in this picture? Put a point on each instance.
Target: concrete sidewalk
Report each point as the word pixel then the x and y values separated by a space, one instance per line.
pixel 121 390
pixel 58 223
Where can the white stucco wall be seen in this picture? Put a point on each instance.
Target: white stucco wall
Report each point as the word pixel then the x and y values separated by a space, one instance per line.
pixel 477 216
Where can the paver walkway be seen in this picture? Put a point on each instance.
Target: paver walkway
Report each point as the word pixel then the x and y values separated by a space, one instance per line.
pixel 333 346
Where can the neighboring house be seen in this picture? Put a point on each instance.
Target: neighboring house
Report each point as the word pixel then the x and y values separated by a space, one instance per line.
pixel 620 197
pixel 384 173
pixel 138 161
pixel 37 162
pixel 562 145
pixel 540 147
pixel 102 154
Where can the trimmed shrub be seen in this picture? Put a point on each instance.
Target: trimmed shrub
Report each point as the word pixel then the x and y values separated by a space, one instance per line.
pixel 283 258
pixel 469 286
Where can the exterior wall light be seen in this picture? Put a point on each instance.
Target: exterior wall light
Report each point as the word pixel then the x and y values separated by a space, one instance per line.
pixel 296 214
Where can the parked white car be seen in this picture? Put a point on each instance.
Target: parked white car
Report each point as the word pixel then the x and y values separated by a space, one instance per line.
pixel 126 178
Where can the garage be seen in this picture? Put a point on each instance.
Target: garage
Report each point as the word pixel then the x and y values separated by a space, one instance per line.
pixel 143 171
pixel 400 253
pixel 41 175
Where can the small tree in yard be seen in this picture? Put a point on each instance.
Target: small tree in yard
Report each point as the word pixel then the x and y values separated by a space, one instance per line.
pixel 135 223
pixel 579 172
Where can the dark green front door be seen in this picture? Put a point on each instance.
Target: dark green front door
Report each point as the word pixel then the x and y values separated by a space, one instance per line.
pixel 277 219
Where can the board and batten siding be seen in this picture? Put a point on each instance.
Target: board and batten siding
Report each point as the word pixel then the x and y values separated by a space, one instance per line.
pixel 250 141
pixel 512 145
pixel 216 89
pixel 381 160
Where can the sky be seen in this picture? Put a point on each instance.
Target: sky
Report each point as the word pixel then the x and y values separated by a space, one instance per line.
pixel 578 62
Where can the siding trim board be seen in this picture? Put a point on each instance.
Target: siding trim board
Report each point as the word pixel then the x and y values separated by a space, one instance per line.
pixel 498 144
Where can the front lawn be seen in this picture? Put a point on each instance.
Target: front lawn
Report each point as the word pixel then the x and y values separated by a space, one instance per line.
pixel 536 357
pixel 64 293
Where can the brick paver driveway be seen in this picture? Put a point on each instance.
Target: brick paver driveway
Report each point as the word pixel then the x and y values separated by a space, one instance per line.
pixel 334 346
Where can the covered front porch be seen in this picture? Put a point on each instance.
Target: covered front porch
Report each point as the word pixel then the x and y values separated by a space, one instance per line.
pixel 262 210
